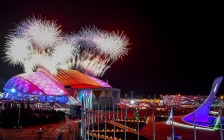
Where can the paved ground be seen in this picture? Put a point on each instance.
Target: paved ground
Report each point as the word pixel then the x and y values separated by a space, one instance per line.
pixel 163 130
pixel 50 131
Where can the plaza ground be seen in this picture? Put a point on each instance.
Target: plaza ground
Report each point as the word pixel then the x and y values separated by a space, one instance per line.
pixel 70 126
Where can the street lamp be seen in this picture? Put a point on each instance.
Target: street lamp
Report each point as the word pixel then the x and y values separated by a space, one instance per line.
pixel 220 113
pixel 221 99
pixel 40 132
pixel 19 116
pixel 132 101
pixel 137 118
pixel 60 133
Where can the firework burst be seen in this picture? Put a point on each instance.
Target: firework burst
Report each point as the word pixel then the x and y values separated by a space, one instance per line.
pixel 17 50
pixel 112 45
pixel 36 43
pixel 42 33
pixel 64 52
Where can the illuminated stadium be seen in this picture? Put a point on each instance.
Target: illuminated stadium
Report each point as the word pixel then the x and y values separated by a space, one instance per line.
pixel 68 86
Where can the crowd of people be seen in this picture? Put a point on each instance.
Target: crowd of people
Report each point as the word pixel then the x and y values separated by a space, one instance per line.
pixel 21 114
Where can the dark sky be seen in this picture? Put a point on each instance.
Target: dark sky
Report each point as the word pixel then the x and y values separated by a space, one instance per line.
pixel 175 47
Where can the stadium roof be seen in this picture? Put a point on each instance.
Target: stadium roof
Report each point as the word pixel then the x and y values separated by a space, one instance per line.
pixel 76 79
pixel 43 83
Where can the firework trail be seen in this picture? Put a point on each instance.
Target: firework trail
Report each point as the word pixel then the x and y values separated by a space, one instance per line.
pixel 37 42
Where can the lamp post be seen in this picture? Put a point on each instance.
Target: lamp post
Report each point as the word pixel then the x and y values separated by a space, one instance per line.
pixel 60 133
pixel 81 131
pixel 101 112
pixel 172 125
pixel 85 118
pixel 138 120
pixel 40 132
pixel 114 120
pixel 220 111
pixel 131 95
pixel 105 122
pixel 125 122
pixel 121 113
pixel 117 112
pixel 195 138
pixel 19 117
pixel 98 121
pixel 93 118
pixel 88 116
pixel 61 119
pixel 109 110
pixel 153 123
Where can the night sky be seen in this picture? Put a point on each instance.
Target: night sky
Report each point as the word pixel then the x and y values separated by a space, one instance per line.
pixel 175 47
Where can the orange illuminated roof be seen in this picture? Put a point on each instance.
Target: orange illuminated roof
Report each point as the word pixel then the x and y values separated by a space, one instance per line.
pixel 76 79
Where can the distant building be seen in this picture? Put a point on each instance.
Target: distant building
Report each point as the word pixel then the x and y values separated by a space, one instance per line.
pixel 183 99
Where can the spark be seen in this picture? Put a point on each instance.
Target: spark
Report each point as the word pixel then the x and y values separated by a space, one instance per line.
pixel 113 45
pixel 38 61
pixel 17 50
pixel 64 51
pixel 42 33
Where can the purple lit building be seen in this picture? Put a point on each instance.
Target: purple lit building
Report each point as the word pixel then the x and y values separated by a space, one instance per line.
pixel 68 86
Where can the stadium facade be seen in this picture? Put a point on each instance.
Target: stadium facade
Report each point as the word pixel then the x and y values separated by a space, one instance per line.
pixel 67 86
